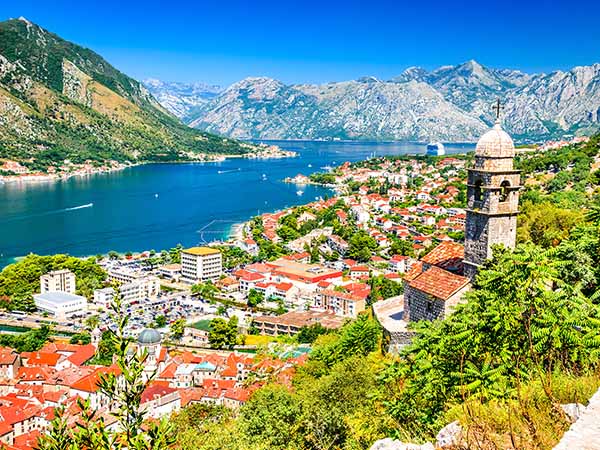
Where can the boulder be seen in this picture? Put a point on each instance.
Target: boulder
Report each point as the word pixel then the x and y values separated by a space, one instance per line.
pixel 393 444
pixel 450 436
pixel 573 411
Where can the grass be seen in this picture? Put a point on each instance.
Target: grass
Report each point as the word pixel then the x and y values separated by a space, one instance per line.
pixel 526 421
pixel 203 325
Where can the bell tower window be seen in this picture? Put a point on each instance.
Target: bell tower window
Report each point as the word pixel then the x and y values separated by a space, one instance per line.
pixel 478 191
pixel 504 191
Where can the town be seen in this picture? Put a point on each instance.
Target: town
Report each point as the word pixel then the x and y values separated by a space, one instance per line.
pixel 401 235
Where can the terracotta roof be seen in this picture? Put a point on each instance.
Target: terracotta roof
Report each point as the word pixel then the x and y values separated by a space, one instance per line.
pixel 83 354
pixel 7 356
pixel 90 383
pixel 43 359
pixel 439 283
pixel 414 272
pixel 155 390
pixel 447 255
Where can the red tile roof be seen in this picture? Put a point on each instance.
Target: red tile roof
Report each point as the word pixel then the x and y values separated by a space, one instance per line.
pixel 90 382
pixel 439 283
pixel 447 255
pixel 156 390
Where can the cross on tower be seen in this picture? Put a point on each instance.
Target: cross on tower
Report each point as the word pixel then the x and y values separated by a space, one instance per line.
pixel 498 107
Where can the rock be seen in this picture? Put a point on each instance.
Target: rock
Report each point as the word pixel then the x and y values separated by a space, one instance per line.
pixel 450 436
pixel 573 411
pixel 452 103
pixel 393 444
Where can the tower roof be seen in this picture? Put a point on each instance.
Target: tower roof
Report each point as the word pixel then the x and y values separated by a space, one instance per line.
pixel 149 337
pixel 495 143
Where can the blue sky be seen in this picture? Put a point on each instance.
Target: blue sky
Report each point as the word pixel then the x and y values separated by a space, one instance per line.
pixel 320 41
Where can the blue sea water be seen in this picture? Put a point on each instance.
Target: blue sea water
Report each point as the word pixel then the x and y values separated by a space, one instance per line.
pixel 157 206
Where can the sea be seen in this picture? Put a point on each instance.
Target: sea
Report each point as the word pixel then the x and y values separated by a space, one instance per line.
pixel 157 206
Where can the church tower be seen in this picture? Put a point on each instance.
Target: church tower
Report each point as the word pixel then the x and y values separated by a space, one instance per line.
pixel 492 198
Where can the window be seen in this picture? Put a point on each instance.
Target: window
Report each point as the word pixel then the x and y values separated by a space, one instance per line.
pixel 478 190
pixel 504 190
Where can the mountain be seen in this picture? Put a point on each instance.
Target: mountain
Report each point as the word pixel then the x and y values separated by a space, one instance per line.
pixel 362 109
pixel 62 101
pixel 451 103
pixel 181 99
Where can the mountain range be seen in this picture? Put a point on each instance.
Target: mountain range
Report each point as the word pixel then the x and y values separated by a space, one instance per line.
pixel 451 103
pixel 62 101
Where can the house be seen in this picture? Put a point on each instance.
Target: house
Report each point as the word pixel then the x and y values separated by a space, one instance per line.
pixel 399 263
pixel 337 244
pixel 10 361
pixel 358 272
pixel 341 303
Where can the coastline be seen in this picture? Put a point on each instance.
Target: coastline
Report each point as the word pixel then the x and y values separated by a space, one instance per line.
pixel 40 177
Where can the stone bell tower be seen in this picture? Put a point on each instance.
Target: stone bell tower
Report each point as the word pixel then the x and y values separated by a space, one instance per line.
pixel 492 198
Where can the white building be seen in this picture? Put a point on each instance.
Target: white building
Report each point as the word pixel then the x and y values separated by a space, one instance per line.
pixel 58 281
pixel 199 264
pixel 60 304
pixel 133 292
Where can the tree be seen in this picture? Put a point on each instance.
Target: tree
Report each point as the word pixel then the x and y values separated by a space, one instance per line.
pixel 308 334
pixel 160 321
pixel 255 298
pixel 222 333
pixel 361 246
pixel 92 322
pixel 270 418
pixel 177 328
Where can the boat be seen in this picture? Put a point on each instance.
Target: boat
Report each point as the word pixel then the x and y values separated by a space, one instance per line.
pixel 435 149
pixel 310 165
pixel 155 195
pixel 264 177
pixel 299 193
pixel 327 168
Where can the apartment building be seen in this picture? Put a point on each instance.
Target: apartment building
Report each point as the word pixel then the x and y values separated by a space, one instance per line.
pixel 200 264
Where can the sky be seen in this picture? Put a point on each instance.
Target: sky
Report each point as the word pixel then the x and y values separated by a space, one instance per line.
pixel 320 41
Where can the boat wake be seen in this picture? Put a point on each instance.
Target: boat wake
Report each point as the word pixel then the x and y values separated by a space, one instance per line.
pixel 48 213
pixel 229 171
pixel 87 205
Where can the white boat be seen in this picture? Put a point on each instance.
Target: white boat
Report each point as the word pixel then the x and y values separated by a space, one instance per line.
pixel 435 149
pixel 310 165
pixel 264 177
pixel 328 168
pixel 299 193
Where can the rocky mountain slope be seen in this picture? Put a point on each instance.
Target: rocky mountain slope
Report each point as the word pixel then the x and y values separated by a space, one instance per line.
pixel 181 99
pixel 452 103
pixel 62 101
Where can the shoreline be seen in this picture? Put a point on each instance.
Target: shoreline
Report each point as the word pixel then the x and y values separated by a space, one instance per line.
pixel 51 178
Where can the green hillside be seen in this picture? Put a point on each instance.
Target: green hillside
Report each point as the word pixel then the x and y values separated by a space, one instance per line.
pixel 62 101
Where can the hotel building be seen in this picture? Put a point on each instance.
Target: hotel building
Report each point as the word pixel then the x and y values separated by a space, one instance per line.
pixel 200 264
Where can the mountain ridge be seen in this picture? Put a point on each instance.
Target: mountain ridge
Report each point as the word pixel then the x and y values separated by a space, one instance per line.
pixel 537 106
pixel 61 101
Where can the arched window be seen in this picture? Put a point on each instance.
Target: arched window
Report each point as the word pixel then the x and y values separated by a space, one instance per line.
pixel 504 190
pixel 478 190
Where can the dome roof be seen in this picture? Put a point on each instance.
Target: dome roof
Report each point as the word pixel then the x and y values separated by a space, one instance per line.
pixel 149 336
pixel 495 143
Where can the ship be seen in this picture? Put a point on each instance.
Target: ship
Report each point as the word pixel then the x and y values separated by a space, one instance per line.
pixel 435 149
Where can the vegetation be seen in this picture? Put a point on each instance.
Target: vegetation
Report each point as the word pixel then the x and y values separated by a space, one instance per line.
pixel 19 281
pixel 113 119
pixel 29 341
pixel 223 334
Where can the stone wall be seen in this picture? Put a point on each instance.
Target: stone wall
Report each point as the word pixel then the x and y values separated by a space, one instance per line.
pixel 422 306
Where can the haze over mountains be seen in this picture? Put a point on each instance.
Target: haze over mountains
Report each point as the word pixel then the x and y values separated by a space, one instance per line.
pixel 452 103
